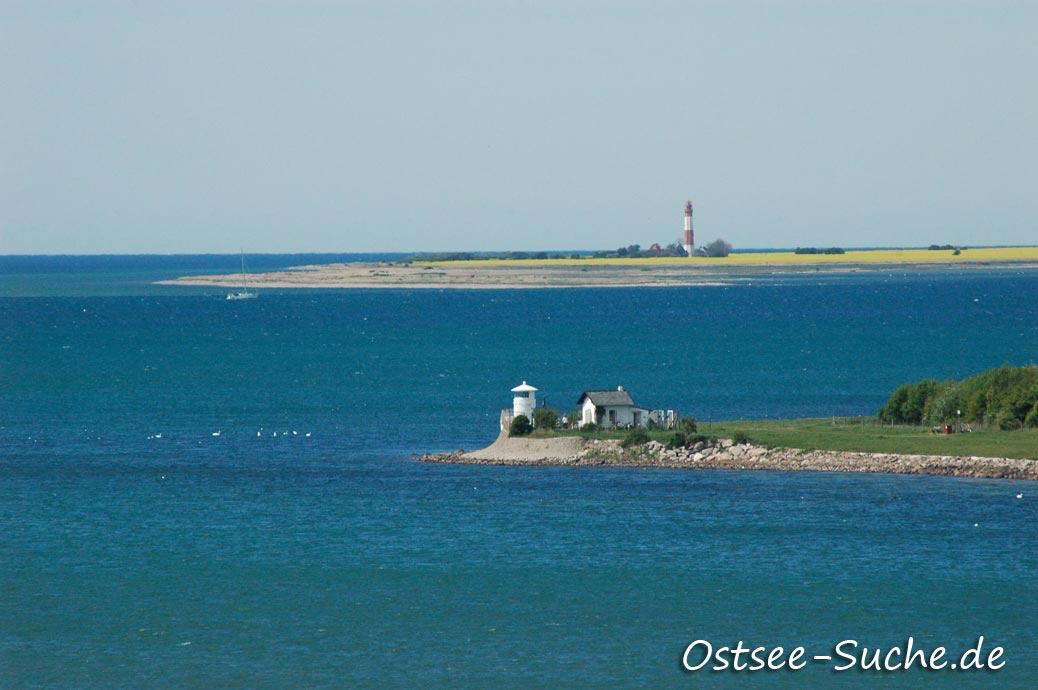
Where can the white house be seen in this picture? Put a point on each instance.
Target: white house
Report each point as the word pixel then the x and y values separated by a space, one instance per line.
pixel 524 400
pixel 611 408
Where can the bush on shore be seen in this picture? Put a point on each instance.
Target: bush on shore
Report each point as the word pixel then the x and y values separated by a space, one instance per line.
pixel 635 437
pixel 676 440
pixel 680 439
pixel 1006 397
pixel 520 426
pixel 545 418
pixel 741 437
pixel 687 425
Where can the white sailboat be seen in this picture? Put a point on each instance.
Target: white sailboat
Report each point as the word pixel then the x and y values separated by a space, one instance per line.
pixel 244 292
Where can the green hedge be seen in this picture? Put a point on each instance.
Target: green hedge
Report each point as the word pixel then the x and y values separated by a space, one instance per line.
pixel 1006 397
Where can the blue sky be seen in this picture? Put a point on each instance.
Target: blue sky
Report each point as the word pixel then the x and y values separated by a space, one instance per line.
pixel 365 126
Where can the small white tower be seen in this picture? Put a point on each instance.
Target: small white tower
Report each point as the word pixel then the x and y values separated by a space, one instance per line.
pixel 524 400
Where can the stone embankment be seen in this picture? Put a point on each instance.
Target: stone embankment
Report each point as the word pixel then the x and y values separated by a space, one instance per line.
pixel 577 452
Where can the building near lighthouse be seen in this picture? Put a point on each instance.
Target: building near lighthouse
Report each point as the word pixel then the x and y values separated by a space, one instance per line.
pixel 689 243
pixel 607 409
pixel 611 408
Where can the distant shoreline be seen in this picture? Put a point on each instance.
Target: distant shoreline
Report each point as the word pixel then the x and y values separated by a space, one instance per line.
pixel 615 273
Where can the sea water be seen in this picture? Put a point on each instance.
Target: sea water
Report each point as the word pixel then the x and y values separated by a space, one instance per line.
pixel 202 493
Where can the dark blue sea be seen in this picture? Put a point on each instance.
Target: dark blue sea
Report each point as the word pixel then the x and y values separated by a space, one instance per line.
pixel 155 533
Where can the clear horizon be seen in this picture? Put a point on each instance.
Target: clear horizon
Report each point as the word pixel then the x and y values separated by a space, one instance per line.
pixel 319 127
pixel 563 250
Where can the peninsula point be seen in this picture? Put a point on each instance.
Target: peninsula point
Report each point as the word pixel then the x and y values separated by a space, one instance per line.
pixel 590 271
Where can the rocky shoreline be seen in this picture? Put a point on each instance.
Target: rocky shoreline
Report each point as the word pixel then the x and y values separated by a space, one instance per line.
pixel 727 455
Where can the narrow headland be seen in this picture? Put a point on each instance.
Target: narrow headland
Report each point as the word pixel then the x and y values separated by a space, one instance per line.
pixel 982 426
pixel 589 271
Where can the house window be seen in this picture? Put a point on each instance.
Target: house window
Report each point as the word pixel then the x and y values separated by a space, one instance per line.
pixel 612 416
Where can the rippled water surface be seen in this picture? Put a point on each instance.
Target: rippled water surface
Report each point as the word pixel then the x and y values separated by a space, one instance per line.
pixel 137 548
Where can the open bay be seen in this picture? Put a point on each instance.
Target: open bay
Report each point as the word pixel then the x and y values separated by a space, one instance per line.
pixel 194 560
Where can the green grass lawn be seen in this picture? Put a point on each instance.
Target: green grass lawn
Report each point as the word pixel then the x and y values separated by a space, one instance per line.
pixel 864 435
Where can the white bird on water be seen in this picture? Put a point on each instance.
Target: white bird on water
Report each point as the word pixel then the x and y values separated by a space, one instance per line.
pixel 216 433
pixel 1019 495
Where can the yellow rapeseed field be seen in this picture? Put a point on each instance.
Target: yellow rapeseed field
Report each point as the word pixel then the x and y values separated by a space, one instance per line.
pixel 853 256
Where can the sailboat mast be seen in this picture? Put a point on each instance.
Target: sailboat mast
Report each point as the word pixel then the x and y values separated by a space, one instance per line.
pixel 244 277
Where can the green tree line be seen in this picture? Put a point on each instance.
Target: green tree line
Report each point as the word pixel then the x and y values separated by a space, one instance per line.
pixel 1006 397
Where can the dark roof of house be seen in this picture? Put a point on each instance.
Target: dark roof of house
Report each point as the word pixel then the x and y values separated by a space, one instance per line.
pixel 610 397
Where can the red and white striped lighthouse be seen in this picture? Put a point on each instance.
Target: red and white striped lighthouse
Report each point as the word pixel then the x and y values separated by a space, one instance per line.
pixel 690 237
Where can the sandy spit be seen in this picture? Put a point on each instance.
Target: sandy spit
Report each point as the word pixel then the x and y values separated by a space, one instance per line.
pixel 468 277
